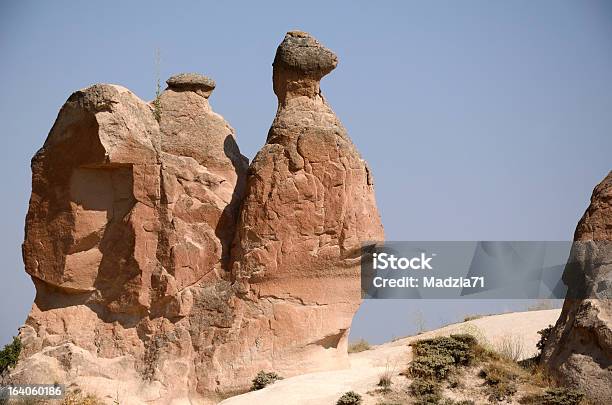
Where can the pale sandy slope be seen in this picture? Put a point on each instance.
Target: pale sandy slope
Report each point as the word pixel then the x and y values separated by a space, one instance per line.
pixel 324 388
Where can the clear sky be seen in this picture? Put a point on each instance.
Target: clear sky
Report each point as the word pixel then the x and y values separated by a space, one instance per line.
pixel 481 120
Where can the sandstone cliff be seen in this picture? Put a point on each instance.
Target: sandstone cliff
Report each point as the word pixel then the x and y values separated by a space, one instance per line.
pixel 579 350
pixel 165 268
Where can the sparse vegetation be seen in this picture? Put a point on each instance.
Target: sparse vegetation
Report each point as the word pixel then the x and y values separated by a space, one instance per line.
pixel 9 355
pixel 359 346
pixel 511 347
pixel 447 364
pixel 562 396
pixel 157 108
pixel 476 333
pixel 455 381
pixel 555 396
pixel 426 391
pixel 349 398
pixel 500 381
pixel 79 398
pixel 468 318
pixel 263 379
pixel 386 378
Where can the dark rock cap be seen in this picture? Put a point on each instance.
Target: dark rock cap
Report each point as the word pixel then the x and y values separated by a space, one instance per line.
pixel 302 53
pixel 191 81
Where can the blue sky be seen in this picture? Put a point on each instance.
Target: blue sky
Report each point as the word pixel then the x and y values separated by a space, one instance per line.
pixel 481 120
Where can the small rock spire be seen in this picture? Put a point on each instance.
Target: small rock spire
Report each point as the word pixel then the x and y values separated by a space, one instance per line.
pixel 300 63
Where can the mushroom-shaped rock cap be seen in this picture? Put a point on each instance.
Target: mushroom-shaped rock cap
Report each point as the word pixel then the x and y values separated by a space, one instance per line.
pixel 303 54
pixel 191 82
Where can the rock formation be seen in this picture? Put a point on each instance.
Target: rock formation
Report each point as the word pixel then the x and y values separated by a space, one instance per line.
pixel 579 350
pixel 168 271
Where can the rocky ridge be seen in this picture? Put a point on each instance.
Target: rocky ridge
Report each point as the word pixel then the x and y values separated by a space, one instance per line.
pixel 578 352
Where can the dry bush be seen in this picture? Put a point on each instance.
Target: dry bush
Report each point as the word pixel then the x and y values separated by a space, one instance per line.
pixel 468 318
pixel 511 347
pixel 79 398
pixel 359 346
pixel 386 378
pixel 473 330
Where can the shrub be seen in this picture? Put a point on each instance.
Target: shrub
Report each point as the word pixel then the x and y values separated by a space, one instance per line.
pixel 10 354
pixel 544 335
pixel 458 347
pixel 466 338
pixel 501 392
pixel 499 381
pixel 262 379
pixel 431 366
pixel 79 398
pixel 562 396
pixel 385 379
pixel 425 391
pixel 421 387
pixel 349 398
pixel 384 382
pixel 496 373
pixel 468 318
pixel 359 346
pixel 436 357
pixel 511 347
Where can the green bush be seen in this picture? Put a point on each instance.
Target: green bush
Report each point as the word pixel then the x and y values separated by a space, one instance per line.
pixel 422 387
pixel 436 357
pixel 562 396
pixel 466 338
pixel 458 347
pixel 10 354
pixel 263 379
pixel 349 398
pixel 432 366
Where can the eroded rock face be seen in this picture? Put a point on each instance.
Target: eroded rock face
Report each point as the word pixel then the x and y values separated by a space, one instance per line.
pixel 152 282
pixel 309 205
pixel 579 350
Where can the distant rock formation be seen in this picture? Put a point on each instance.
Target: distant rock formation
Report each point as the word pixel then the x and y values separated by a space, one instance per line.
pixel 579 350
pixel 168 270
